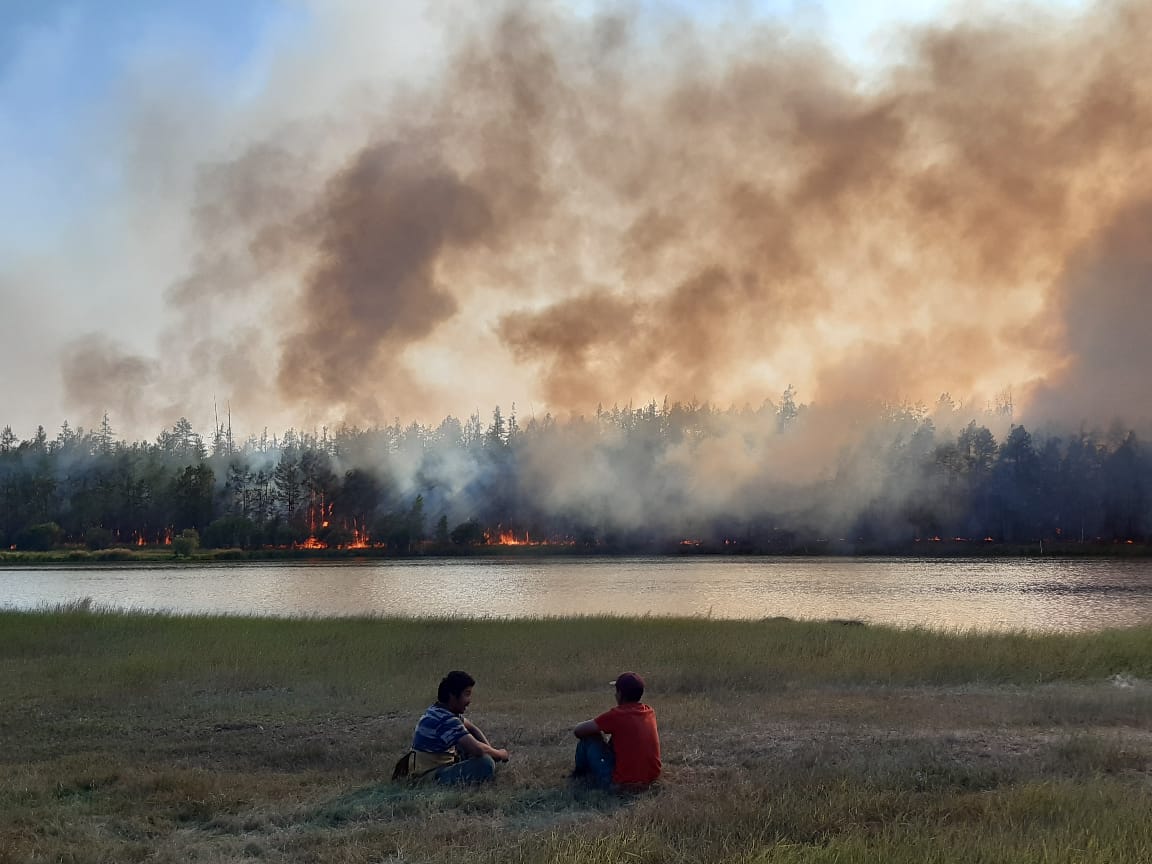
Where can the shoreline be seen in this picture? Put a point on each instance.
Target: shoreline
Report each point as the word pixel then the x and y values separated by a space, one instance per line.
pixel 931 550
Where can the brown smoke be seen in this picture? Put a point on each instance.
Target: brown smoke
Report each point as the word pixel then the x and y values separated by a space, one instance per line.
pixel 617 209
pixel 383 225
pixel 1107 292
pixel 100 376
pixel 917 231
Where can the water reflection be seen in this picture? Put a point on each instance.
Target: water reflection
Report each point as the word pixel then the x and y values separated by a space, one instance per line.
pixel 968 593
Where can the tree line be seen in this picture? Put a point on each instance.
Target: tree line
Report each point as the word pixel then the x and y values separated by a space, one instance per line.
pixel 625 478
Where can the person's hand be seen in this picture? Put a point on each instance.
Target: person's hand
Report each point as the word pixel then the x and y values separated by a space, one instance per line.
pixel 500 755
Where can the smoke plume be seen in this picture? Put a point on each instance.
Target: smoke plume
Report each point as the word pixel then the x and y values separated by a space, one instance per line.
pixel 564 211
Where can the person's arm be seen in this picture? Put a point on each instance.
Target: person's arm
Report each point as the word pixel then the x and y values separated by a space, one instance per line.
pixel 474 731
pixel 587 729
pixel 470 746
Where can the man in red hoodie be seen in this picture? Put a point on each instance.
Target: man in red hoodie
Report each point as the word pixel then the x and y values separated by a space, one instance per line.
pixel 630 758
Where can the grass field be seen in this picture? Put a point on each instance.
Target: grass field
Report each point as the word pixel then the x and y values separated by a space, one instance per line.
pixel 160 738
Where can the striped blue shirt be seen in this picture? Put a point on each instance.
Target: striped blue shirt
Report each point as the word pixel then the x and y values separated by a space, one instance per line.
pixel 438 730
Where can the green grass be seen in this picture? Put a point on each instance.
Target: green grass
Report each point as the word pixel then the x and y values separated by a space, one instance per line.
pixel 172 738
pixel 377 660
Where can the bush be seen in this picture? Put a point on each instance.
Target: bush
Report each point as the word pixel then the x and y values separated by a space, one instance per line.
pixel 468 533
pixel 187 542
pixel 39 538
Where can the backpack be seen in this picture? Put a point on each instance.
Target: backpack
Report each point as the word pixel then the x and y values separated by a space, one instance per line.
pixel 403 766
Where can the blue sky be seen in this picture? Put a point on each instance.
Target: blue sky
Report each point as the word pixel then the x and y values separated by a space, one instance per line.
pixel 61 62
pixel 69 70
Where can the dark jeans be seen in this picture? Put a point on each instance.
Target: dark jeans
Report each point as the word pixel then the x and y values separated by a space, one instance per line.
pixel 595 761
pixel 478 769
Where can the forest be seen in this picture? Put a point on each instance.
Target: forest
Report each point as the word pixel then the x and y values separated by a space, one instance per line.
pixel 779 478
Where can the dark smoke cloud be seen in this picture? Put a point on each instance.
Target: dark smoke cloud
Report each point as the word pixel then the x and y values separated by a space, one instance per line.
pixel 383 225
pixel 570 211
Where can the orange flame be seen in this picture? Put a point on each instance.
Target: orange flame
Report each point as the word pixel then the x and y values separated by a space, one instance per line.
pixel 509 538
pixel 501 537
pixel 359 539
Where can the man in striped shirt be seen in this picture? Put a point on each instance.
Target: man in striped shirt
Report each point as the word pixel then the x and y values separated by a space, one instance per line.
pixel 447 748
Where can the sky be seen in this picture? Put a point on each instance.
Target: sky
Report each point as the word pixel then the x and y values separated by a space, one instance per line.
pixel 66 70
pixel 175 174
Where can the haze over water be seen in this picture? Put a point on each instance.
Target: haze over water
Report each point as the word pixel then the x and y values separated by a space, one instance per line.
pixel 987 594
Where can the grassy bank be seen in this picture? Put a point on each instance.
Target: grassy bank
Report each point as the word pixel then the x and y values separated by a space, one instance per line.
pixel 150 737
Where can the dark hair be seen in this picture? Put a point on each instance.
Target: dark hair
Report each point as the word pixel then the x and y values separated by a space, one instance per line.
pixel 454 684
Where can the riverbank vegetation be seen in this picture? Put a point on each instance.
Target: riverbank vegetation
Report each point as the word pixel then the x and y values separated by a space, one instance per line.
pixel 166 556
pixel 654 480
pixel 170 738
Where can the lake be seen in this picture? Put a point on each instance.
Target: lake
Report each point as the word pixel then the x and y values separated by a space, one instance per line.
pixel 990 594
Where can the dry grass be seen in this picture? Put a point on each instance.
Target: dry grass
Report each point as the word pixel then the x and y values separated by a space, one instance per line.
pixel 149 738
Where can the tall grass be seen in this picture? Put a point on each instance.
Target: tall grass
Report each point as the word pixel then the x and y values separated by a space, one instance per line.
pixel 82 650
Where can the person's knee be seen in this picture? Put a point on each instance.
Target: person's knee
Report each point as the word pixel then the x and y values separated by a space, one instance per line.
pixel 485 768
pixel 594 749
pixel 476 769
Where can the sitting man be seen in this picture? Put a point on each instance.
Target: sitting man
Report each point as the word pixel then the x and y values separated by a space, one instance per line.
pixel 447 748
pixel 630 760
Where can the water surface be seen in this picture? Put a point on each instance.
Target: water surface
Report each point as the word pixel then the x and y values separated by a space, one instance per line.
pixel 958 593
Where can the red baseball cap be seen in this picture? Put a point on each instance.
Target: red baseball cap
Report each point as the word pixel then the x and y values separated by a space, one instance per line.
pixel 629 684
